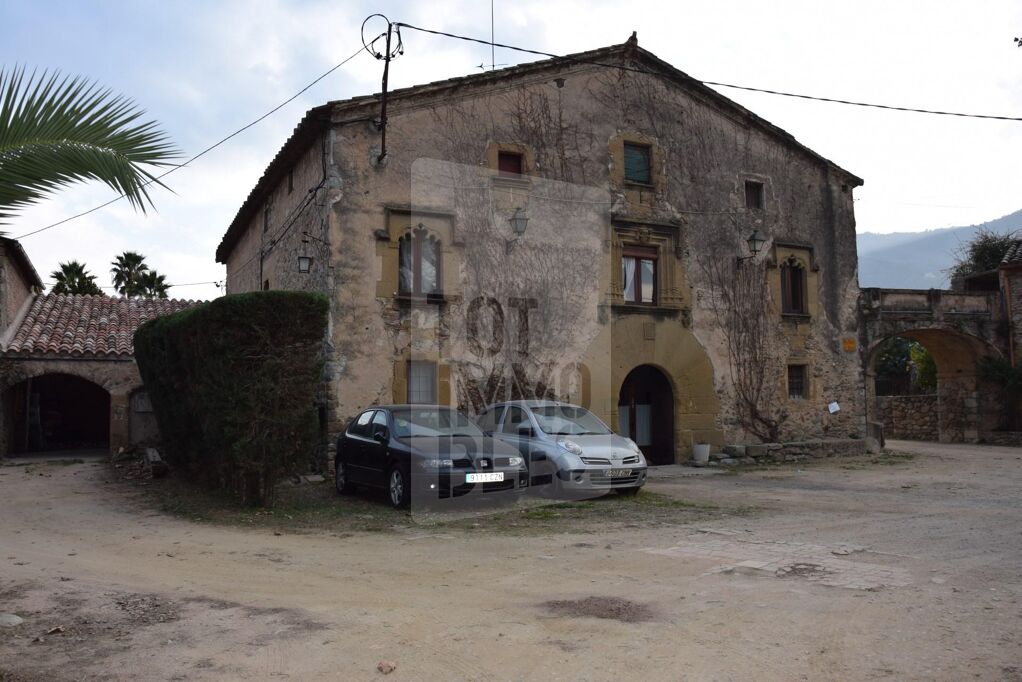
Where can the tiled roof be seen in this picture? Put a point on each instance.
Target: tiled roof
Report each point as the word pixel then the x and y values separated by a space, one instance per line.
pixel 1013 256
pixel 103 326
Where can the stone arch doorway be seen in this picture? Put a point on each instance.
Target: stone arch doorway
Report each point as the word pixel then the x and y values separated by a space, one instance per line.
pixel 960 409
pixel 53 412
pixel 646 413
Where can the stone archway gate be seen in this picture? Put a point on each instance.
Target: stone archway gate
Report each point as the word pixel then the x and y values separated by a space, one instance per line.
pixel 957 328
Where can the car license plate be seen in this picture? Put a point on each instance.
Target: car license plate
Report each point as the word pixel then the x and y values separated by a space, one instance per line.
pixel 495 477
pixel 619 473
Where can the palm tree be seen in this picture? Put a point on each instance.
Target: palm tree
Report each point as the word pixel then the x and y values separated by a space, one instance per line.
pixel 127 269
pixel 55 131
pixel 152 285
pixel 73 278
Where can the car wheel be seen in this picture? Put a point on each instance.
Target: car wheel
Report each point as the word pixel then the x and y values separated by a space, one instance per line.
pixel 628 492
pixel 341 482
pixel 398 488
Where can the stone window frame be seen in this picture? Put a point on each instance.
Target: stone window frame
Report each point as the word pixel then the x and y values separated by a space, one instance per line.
pixel 666 240
pixel 492 161
pixel 433 391
pixel 399 219
pixel 742 199
pixel 806 392
pixel 616 150
pixel 804 254
pixel 760 187
pixel 401 371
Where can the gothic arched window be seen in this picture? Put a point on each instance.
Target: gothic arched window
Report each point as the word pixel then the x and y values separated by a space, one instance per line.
pixel 419 263
pixel 793 288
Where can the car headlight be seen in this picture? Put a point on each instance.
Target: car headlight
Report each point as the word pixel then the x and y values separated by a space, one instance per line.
pixel 633 446
pixel 515 461
pixel 437 463
pixel 571 446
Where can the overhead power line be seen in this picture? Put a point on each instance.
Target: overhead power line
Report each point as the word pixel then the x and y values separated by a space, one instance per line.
pixel 748 88
pixel 204 151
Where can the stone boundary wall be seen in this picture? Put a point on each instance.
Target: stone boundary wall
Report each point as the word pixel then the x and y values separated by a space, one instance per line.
pixel 909 417
pixel 796 451
pixel 1013 438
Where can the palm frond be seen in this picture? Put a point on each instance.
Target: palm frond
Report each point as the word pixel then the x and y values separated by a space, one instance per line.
pixel 56 130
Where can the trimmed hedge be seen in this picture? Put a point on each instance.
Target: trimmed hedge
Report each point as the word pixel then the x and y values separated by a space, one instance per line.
pixel 233 384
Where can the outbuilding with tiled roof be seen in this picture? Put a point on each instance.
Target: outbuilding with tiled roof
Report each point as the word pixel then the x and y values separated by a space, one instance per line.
pixel 68 377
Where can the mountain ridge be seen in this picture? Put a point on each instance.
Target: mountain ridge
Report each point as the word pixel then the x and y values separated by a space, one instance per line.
pixel 920 260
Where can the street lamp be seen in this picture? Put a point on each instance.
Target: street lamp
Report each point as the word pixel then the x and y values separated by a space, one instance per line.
pixel 304 264
pixel 519 221
pixel 755 242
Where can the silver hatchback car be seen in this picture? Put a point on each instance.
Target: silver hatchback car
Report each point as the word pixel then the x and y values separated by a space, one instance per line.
pixel 570 452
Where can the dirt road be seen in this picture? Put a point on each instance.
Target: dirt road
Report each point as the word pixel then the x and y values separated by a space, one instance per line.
pixel 847 571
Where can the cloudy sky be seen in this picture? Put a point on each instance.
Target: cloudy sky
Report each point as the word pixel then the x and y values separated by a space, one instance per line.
pixel 205 68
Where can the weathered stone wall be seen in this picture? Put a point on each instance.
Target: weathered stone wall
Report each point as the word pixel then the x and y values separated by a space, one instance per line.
pixel 1009 438
pixel 572 132
pixel 794 451
pixel 1011 290
pixel 909 417
pixel 14 290
pixel 292 222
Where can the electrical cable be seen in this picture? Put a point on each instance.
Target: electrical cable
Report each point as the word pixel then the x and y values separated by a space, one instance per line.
pixel 715 83
pixel 204 151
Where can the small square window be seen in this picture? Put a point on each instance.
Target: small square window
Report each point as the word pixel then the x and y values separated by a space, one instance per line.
pixel 421 383
pixel 754 194
pixel 797 388
pixel 510 164
pixel 637 164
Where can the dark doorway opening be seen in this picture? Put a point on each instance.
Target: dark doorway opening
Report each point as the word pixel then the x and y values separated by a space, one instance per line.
pixel 646 413
pixel 58 412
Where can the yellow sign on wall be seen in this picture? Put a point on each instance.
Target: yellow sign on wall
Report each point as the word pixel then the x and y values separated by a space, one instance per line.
pixel 849 344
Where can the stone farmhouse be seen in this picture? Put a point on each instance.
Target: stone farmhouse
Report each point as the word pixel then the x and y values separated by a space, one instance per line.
pixel 600 228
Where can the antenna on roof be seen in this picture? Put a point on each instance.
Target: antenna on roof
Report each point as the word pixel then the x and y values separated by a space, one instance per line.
pixel 493 50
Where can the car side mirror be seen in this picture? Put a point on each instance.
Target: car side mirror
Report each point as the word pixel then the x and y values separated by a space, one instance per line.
pixel 380 434
pixel 525 431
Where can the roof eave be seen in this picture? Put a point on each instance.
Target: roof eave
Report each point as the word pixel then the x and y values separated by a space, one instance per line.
pixel 23 262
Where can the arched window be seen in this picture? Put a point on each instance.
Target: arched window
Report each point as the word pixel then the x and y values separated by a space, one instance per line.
pixel 419 263
pixel 793 288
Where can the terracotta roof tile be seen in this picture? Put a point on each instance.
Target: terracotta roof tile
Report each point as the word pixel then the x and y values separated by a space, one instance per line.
pixel 1013 256
pixel 61 324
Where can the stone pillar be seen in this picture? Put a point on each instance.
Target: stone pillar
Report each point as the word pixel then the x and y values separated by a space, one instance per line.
pixel 120 425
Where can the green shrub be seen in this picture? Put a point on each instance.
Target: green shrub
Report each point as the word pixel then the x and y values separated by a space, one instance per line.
pixel 233 384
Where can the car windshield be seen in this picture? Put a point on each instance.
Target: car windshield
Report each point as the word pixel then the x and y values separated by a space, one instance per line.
pixel 432 421
pixel 568 420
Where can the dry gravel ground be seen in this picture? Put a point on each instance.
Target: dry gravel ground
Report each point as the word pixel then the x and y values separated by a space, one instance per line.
pixel 908 568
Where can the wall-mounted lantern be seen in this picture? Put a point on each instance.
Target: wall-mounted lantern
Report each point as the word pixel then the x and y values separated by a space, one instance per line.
pixel 519 221
pixel 755 242
pixel 304 264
